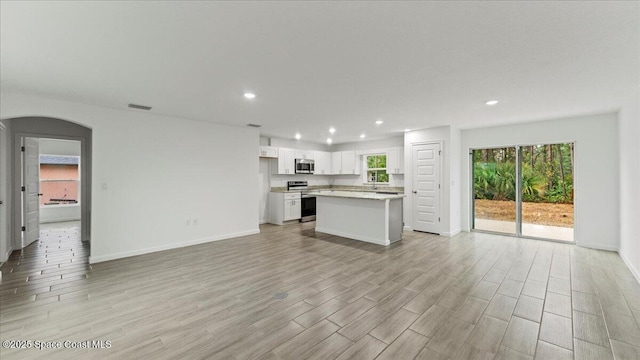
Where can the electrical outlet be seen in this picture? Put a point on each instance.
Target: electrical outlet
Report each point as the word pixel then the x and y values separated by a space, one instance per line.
pixel 188 222
pixel 196 221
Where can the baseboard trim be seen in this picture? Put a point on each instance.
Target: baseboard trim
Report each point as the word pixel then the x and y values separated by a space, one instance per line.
pixel 450 234
pixel 263 222
pixel 126 254
pixel 633 270
pixel 407 228
pixel 598 247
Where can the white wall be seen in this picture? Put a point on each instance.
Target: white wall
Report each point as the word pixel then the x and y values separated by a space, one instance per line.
pixel 596 182
pixel 5 244
pixel 629 119
pixel 151 173
pixel 396 141
pixel 449 225
pixel 59 147
pixel 65 212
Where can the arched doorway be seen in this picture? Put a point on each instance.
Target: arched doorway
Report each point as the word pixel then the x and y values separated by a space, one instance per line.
pixel 19 128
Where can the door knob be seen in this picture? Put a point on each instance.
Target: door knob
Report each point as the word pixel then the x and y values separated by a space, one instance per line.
pixel 40 194
pixel 415 191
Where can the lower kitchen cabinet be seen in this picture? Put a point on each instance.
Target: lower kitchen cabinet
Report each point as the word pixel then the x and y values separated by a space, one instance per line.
pixel 284 207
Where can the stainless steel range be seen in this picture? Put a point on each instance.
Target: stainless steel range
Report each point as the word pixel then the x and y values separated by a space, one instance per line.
pixel 307 203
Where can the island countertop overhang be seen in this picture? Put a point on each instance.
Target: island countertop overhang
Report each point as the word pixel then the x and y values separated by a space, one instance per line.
pixel 356 195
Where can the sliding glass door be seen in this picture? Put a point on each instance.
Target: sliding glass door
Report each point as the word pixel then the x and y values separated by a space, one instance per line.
pixel 524 190
pixel 494 187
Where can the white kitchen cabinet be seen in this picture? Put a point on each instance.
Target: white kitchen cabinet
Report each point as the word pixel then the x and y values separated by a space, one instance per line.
pixel 286 162
pixel 345 163
pixel 304 154
pixel 268 152
pixel 322 161
pixel 284 207
pixel 350 163
pixel 395 161
pixel 336 163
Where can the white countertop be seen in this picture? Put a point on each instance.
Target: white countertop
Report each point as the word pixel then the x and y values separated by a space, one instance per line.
pixel 356 195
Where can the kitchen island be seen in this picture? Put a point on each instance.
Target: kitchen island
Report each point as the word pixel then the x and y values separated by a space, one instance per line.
pixel 365 216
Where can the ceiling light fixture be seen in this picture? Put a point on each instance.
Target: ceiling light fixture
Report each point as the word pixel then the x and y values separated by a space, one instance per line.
pixel 379 122
pixel 491 102
pixel 250 95
pixel 329 141
pixel 298 136
pixel 362 136
pixel 407 130
pixel 332 130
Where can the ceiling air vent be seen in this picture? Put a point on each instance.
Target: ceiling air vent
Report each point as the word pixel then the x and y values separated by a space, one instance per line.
pixel 139 107
pixel 254 125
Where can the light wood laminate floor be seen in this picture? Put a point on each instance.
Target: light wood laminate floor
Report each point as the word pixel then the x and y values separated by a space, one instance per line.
pixel 472 296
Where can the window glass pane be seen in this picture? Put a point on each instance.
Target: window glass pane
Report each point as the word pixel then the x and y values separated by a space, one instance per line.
pixel 383 176
pixel 371 162
pixel 494 186
pixel 382 161
pixel 547 191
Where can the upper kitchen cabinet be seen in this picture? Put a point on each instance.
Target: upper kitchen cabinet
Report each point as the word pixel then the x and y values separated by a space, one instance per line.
pixel 345 163
pixel 304 154
pixel 322 161
pixel 395 161
pixel 336 162
pixel 268 152
pixel 286 161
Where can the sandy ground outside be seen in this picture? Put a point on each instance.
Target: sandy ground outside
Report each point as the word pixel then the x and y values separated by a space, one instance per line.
pixel 560 215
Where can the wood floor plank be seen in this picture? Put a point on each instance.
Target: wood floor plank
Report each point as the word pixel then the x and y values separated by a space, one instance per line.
pixel 338 298
pixel 450 338
pixel 521 335
pixel 529 308
pixel 584 350
pixel 406 346
pixel 556 330
pixel 301 343
pixel 366 348
pixel 590 328
pixel 393 326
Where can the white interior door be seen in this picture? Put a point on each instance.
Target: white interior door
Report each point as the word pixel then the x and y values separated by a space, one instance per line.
pixel 30 197
pixel 426 187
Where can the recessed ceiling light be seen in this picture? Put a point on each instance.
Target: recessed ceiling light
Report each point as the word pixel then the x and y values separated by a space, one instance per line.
pixel 329 141
pixel 298 136
pixel 378 122
pixel 249 95
pixel 362 136
pixel 407 130
pixel 491 102
pixel 332 130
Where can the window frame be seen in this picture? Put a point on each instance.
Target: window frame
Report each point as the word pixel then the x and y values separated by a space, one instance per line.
pixel 366 168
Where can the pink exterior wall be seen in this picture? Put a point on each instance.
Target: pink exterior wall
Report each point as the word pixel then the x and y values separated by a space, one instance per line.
pixel 58 189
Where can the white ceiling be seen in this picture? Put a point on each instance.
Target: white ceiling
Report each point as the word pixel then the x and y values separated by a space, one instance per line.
pixel 314 65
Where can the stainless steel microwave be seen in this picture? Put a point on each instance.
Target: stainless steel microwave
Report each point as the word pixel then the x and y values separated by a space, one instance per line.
pixel 304 166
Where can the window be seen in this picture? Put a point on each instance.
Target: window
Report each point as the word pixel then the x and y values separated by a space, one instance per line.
pixel 376 169
pixel 59 180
